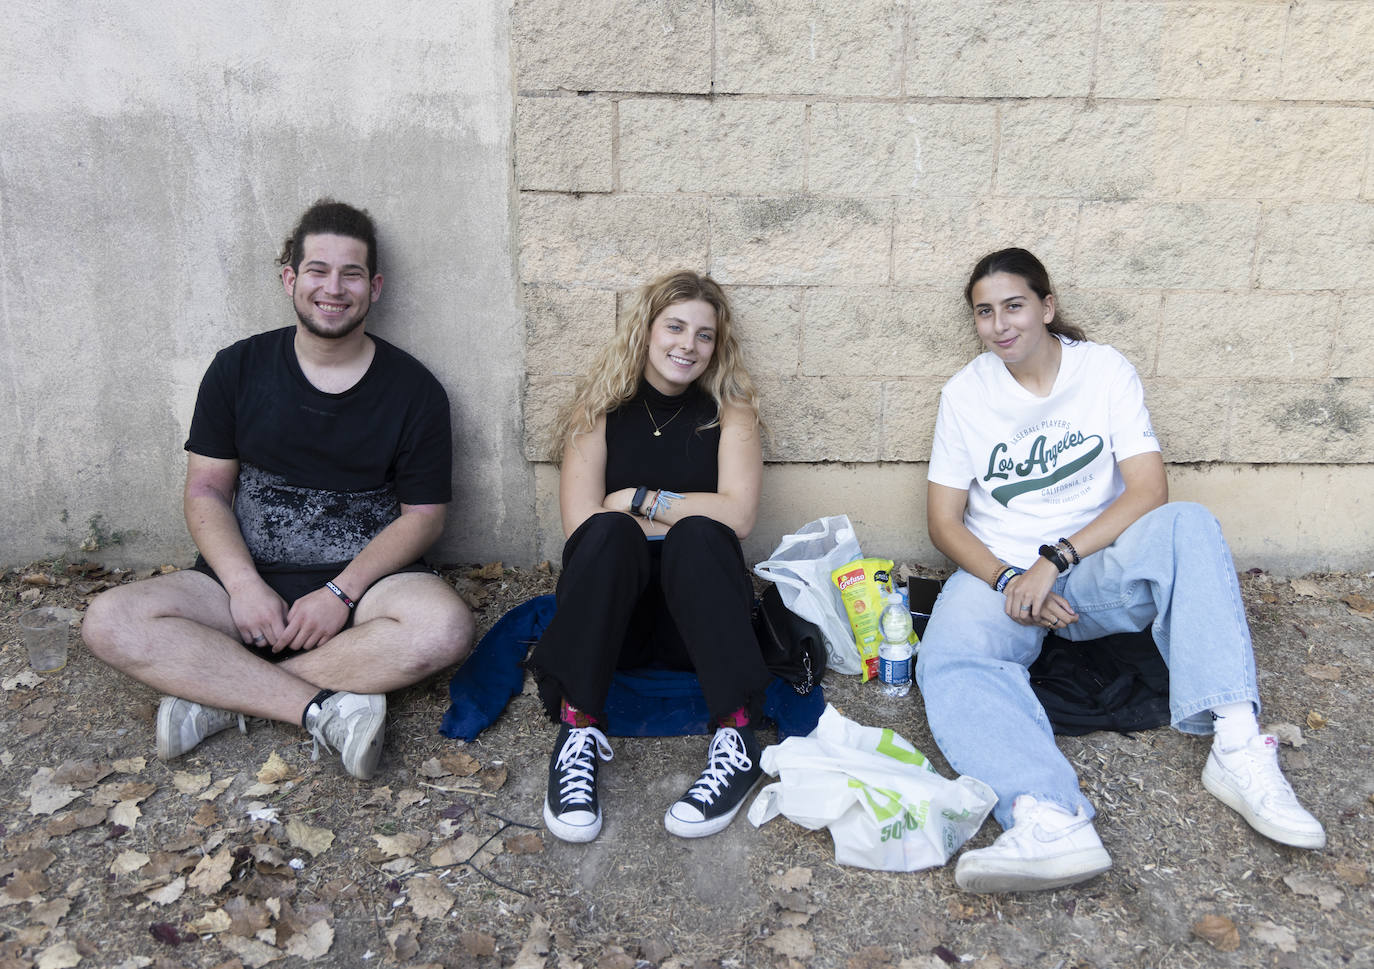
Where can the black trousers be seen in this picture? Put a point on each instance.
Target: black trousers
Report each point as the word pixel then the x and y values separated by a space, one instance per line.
pixel 626 603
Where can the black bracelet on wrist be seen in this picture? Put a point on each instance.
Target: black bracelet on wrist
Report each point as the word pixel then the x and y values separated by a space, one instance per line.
pixel 1056 557
pixel 637 502
pixel 343 596
pixel 1067 546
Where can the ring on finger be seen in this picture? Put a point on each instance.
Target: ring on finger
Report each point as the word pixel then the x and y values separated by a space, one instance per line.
pixel 1025 608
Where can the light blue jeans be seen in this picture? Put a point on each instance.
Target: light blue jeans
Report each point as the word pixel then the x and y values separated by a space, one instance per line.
pixel 1170 570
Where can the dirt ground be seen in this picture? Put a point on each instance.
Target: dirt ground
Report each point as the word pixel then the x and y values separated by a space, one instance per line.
pixel 245 852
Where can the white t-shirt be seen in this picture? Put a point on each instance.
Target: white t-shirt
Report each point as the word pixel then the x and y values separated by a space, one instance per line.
pixel 1039 468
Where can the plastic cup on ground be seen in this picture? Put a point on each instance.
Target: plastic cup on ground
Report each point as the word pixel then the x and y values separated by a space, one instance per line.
pixel 45 634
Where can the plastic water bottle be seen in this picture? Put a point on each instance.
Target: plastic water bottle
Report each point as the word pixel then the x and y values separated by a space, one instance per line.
pixel 894 655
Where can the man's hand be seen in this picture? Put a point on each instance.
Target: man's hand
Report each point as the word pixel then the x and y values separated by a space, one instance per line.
pixel 313 620
pixel 1030 602
pixel 259 613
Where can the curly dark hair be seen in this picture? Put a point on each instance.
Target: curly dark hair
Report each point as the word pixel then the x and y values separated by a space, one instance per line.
pixel 328 217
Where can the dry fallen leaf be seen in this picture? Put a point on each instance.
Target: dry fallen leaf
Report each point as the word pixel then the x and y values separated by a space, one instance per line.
pixel 206 815
pixel 1287 733
pixel 493 778
pixel 168 893
pixel 125 813
pixel 188 783
pixel 127 861
pixel 27 679
pixel 313 943
pixel 130 765
pixel 432 769
pixel 60 956
pixel 251 952
pixel 1359 605
pixel 791 879
pixel 380 797
pixel 401 845
pixel 455 852
pixel 210 923
pixel 1220 931
pixel 274 770
pixel 45 795
pixel 80 773
pixel 1327 896
pixel 536 947
pixel 525 844
pixel 401 938
pixel 1305 587
pixel 1350 873
pixel 1330 674
pixel 488 572
pixel 1275 935
pixel 212 873
pixel 796 943
pixel 1315 720
pixel 477 944
pixel 51 912
pixel 464 765
pixel 429 899
pixel 314 840
pixel 26 884
pixel 215 789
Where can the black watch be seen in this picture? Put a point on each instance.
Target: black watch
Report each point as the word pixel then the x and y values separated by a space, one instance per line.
pixel 637 502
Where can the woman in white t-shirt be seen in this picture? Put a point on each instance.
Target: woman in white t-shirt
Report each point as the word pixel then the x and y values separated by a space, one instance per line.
pixel 1047 489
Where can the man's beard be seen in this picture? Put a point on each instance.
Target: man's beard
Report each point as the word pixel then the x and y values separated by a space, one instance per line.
pixel 314 328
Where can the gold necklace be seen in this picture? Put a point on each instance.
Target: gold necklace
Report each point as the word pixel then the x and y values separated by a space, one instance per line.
pixel 658 428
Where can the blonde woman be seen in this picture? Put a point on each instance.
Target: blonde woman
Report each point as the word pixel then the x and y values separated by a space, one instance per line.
pixel 660 473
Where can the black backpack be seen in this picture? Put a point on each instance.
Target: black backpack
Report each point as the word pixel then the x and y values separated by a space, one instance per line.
pixel 1118 682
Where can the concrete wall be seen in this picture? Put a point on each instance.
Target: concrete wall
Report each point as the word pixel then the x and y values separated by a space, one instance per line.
pixel 154 156
pixel 1199 177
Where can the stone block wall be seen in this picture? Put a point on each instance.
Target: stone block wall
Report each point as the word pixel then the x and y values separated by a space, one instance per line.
pixel 1198 177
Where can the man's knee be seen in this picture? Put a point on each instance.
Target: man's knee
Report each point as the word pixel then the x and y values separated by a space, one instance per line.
pixel 436 626
pixel 104 617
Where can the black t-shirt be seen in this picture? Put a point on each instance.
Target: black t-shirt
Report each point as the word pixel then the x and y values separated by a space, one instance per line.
pixel 682 458
pixel 321 474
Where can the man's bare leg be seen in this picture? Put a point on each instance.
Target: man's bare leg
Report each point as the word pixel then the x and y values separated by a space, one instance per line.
pixel 407 627
pixel 175 633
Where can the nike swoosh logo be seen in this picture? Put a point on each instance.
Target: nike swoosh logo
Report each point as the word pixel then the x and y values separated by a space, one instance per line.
pixel 1007 492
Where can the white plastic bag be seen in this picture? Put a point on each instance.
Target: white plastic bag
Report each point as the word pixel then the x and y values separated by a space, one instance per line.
pixel 801 567
pixel 884 804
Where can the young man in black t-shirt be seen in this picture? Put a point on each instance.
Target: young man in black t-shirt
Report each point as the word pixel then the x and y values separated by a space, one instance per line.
pixel 318 474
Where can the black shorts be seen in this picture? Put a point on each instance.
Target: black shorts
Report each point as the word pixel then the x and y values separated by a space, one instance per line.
pixel 292 583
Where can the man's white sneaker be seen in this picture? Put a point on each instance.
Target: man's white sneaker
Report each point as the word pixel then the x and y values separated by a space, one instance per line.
pixel 1248 780
pixel 352 724
pixel 182 724
pixel 1046 847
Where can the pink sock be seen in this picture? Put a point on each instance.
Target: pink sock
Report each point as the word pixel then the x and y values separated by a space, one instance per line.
pixel 574 717
pixel 740 718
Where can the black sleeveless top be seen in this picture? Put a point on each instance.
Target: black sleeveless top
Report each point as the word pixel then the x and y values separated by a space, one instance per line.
pixel 682 458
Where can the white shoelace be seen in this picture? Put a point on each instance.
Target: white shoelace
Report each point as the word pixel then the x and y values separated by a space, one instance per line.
pixel 726 756
pixel 575 764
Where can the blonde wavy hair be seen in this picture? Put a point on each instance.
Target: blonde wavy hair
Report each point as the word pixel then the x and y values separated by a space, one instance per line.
pixel 615 374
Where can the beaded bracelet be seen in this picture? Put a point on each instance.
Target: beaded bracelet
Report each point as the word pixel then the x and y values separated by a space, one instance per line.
pixel 1067 546
pixel 341 594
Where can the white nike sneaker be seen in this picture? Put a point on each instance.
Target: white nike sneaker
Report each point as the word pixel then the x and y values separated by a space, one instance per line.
pixel 1046 847
pixel 1248 780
